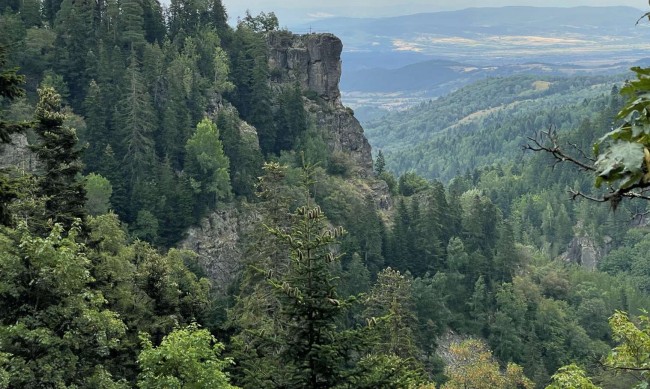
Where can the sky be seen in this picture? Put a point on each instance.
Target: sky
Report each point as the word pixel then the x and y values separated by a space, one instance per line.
pixel 300 12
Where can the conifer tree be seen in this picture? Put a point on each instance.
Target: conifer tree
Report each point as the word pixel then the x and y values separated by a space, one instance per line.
pixel 131 24
pixel 291 119
pixel 136 122
pixel 390 303
pixel 58 150
pixel 309 305
pixel 380 163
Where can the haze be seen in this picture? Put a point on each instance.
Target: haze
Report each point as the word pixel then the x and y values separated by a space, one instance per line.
pixel 298 12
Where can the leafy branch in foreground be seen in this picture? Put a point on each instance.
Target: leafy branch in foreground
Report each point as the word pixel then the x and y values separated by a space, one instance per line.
pixel 632 355
pixel 621 157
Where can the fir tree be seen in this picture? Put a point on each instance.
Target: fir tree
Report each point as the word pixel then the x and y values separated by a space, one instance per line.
pixel 58 150
pixel 380 163
pixel 309 305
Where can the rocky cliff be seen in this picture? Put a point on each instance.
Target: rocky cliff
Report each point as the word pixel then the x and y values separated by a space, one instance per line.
pixel 314 61
pixel 586 251
pixel 17 154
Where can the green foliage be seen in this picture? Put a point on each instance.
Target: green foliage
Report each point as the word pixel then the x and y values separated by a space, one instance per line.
pixel 309 304
pixel 380 163
pixel 389 371
pixel 625 160
pixel 98 193
pixel 186 358
pixel 410 183
pixel 261 23
pixel 207 165
pixel 66 333
pixel 571 377
pixel 58 150
pixel 242 149
pixel 390 305
pixel 10 89
pixel 633 351
pixel 472 366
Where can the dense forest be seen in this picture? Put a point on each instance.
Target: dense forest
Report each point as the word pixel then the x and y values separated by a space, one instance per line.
pixel 134 123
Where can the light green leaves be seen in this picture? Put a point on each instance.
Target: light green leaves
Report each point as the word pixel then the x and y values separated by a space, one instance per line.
pixel 621 161
pixel 621 164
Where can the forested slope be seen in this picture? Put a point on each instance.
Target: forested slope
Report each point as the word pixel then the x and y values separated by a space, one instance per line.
pixel 179 116
pixel 485 122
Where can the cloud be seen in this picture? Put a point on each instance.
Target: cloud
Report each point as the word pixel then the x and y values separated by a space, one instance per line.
pixel 320 15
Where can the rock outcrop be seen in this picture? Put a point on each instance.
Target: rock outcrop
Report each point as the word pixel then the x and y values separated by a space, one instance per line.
pixel 17 154
pixel 218 242
pixel 586 252
pixel 314 62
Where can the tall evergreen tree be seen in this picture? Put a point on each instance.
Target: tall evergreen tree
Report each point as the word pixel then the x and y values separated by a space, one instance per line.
pixel 61 156
pixel 136 123
pixel 309 305
pixel 131 24
pixel 290 119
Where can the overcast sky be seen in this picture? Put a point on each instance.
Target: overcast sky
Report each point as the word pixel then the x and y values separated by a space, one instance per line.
pixel 295 12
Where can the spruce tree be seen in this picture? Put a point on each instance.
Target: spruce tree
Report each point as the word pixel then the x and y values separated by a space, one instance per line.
pixel 136 121
pixel 61 157
pixel 309 304
pixel 380 163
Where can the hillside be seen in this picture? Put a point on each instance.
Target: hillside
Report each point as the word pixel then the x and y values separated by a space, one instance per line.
pixel 484 123
pixel 189 204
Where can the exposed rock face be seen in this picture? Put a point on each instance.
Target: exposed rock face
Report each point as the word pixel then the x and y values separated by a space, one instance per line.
pixel 17 154
pixel 218 242
pixel 314 61
pixel 586 252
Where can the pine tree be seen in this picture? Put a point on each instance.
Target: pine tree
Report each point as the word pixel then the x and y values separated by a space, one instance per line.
pixel 309 304
pixel 58 150
pixel 380 163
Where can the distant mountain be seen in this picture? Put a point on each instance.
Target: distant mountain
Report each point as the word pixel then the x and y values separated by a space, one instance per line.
pixel 397 62
pixel 435 76
pixel 502 32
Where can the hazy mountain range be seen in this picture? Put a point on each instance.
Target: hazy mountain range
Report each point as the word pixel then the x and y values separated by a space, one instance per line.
pixel 395 62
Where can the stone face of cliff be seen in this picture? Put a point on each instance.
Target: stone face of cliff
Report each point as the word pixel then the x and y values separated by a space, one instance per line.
pixel 586 251
pixel 314 62
pixel 17 154
pixel 218 242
